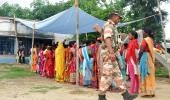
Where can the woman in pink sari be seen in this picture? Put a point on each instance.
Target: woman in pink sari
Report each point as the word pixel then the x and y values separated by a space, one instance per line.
pixel 41 59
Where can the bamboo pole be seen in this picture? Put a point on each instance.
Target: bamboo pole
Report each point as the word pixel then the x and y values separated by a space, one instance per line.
pixel 86 36
pixel 16 37
pixel 33 32
pixel 77 42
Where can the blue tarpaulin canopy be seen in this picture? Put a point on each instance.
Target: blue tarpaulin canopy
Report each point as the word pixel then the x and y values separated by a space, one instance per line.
pixel 65 22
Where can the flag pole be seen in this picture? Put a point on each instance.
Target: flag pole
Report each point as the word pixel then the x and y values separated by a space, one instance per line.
pixel 77 42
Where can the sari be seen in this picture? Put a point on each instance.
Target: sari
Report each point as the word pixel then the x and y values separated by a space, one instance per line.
pixel 132 65
pixel 59 62
pixel 147 68
pixel 95 80
pixel 87 67
pixel 122 65
pixel 44 74
pixel 99 61
pixel 34 62
pixel 30 58
pixel 49 64
pixel 81 67
pixel 41 62
pixel 66 71
pixel 72 66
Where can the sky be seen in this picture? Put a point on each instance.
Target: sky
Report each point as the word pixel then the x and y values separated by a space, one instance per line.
pixel 26 3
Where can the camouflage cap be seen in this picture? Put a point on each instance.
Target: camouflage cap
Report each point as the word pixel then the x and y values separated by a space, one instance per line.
pixel 114 14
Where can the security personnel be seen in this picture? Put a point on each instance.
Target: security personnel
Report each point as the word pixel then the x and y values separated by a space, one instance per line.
pixel 109 70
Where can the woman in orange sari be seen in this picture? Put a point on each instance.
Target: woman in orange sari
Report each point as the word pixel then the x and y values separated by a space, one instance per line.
pixel 34 61
pixel 147 68
pixel 66 71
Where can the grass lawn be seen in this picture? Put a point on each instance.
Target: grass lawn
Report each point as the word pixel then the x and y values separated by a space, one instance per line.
pixel 9 71
pixel 14 71
pixel 161 72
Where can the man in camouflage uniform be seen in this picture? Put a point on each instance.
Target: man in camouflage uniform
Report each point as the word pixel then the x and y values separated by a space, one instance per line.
pixel 109 70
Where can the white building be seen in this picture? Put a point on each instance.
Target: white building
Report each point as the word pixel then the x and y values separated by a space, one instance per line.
pixel 12 33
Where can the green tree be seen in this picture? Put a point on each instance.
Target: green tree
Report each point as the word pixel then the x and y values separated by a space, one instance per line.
pixel 129 9
pixel 11 10
pixel 143 8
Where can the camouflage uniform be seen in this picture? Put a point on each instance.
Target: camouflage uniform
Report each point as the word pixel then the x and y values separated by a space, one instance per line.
pixel 109 70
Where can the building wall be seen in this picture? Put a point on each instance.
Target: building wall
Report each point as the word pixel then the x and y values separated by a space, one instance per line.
pixel 9 41
pixel 6 25
pixel 7 45
pixel 9 59
pixel 27 42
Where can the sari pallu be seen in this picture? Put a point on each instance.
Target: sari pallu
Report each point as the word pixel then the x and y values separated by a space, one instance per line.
pixel 132 55
pixel 132 66
pixel 87 67
pixel 147 70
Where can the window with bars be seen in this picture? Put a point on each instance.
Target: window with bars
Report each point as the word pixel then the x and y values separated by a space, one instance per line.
pixel 7 45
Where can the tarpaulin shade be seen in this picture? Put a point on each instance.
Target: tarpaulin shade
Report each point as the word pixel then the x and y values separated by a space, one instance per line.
pixel 65 22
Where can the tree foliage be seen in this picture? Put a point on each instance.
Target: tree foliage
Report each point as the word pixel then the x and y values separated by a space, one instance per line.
pixel 129 9
pixel 143 8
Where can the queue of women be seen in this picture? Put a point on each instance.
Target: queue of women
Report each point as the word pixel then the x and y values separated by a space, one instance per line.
pixel 135 60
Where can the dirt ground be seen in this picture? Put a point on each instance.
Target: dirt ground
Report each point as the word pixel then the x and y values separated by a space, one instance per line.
pixel 39 88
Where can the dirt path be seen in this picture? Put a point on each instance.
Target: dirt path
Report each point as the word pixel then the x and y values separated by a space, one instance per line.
pixel 38 88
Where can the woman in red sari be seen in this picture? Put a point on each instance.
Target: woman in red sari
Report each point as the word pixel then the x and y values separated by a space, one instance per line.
pixel 49 64
pixel 72 64
pixel 94 47
pixel 132 65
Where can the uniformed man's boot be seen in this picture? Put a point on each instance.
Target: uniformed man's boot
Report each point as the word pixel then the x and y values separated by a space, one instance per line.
pixel 127 96
pixel 102 97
